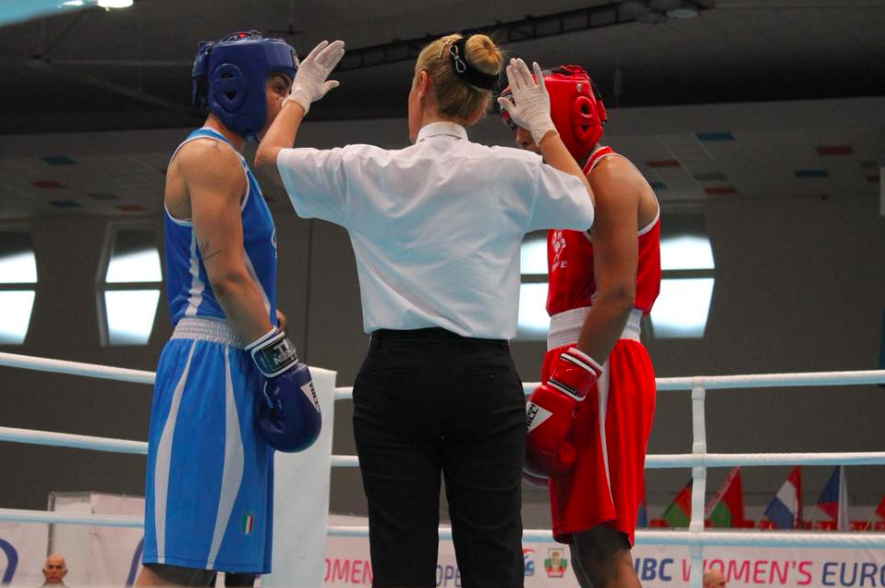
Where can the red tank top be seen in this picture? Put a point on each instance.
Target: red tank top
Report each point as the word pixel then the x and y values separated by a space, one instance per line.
pixel 570 262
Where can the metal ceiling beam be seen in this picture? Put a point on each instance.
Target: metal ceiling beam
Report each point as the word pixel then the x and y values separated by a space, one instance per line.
pixel 526 29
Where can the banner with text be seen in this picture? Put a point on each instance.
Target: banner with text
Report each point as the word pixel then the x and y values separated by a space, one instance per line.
pixel 550 565
pixel 22 553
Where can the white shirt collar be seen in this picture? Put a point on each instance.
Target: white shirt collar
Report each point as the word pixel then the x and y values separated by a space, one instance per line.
pixel 442 128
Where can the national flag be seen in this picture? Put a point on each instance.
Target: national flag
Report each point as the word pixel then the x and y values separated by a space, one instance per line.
pixel 726 508
pixel 248 523
pixel 834 499
pixel 642 511
pixel 785 509
pixel 880 510
pixel 678 514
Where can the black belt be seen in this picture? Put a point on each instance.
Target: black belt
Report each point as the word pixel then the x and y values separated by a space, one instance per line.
pixel 430 334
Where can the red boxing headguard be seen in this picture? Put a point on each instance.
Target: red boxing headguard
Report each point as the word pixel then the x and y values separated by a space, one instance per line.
pixel 575 106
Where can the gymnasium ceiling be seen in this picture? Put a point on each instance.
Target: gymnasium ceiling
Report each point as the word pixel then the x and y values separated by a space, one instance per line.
pixel 70 76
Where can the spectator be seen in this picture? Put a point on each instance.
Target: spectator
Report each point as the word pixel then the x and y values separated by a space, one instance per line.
pixel 54 571
pixel 714 579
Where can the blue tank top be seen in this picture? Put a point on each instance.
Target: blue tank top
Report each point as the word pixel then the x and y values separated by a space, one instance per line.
pixel 188 291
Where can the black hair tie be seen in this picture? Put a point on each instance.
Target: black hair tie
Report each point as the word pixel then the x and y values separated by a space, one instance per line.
pixel 467 72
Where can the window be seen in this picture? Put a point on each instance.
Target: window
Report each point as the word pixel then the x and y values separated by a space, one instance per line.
pixel 533 322
pixel 129 280
pixel 687 278
pixel 687 281
pixel 18 276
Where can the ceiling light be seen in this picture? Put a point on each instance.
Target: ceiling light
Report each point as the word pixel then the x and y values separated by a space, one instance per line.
pixel 73 3
pixel 115 3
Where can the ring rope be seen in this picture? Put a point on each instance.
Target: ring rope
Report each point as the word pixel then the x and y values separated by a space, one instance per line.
pixel 681 384
pixel 75 368
pixel 660 461
pixel 831 539
pixel 663 384
pixel 72 441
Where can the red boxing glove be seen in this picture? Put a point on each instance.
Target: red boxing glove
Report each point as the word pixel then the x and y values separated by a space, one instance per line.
pixel 550 410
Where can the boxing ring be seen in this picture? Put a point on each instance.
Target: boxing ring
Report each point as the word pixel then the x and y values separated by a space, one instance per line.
pixel 696 538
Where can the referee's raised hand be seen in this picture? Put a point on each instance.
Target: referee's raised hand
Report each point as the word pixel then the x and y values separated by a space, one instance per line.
pixel 310 82
pixel 530 108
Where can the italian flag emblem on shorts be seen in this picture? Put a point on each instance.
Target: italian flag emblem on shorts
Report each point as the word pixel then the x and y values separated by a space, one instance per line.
pixel 248 523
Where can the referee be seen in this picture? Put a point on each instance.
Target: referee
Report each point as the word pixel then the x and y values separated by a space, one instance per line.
pixel 436 231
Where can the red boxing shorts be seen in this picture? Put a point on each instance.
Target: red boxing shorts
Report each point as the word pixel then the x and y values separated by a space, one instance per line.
pixel 610 435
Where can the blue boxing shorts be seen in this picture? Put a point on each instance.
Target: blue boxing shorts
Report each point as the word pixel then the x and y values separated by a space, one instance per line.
pixel 209 483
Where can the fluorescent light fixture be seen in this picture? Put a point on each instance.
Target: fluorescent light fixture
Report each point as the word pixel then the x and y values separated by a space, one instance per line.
pixel 15 315
pixel 533 322
pixel 74 3
pixel 137 266
pixel 682 308
pixel 533 256
pixel 130 315
pixel 115 3
pixel 18 268
pixel 686 252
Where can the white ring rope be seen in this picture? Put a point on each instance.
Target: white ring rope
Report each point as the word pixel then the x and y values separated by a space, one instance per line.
pixel 72 441
pixel 832 540
pixel 92 370
pixel 793 380
pixel 75 368
pixel 662 461
pixel 61 518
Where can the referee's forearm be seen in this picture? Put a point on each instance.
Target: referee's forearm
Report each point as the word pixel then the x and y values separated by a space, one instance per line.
pixel 280 135
pixel 557 156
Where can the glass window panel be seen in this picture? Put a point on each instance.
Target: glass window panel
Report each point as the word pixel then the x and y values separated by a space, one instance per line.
pixel 15 316
pixel 17 262
pixel 533 256
pixel 686 252
pixel 533 322
pixel 134 258
pixel 682 308
pixel 130 315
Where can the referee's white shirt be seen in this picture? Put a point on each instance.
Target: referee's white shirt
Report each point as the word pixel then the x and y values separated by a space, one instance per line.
pixel 436 227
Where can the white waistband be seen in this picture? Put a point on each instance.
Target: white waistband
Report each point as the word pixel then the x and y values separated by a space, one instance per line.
pixel 565 327
pixel 206 329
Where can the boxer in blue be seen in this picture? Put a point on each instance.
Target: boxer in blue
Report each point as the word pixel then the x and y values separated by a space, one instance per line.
pixel 229 387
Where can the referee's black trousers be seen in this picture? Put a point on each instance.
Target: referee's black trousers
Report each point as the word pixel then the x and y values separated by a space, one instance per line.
pixel 427 404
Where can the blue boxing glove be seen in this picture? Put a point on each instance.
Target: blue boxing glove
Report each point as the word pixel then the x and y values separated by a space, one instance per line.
pixel 290 420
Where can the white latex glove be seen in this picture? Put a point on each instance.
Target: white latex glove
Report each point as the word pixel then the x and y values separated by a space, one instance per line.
pixel 310 81
pixel 531 110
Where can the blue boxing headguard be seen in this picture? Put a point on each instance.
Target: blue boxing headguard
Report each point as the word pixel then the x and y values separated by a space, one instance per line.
pixel 229 78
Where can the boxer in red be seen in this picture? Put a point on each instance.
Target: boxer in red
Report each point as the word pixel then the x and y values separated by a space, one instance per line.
pixel 589 421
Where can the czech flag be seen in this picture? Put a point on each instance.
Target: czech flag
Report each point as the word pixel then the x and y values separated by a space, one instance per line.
pixel 785 509
pixel 834 499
